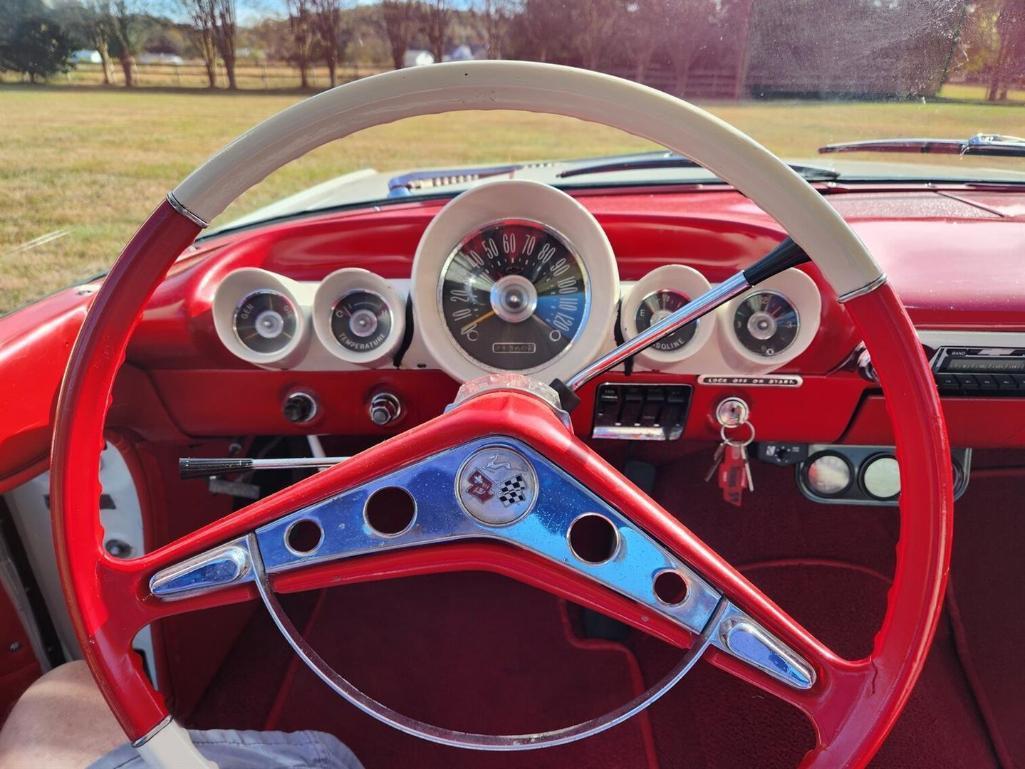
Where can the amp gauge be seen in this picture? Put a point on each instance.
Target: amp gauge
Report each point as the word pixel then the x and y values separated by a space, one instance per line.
pixel 361 321
pixel 358 316
pixel 259 318
pixel 766 323
pixel 265 321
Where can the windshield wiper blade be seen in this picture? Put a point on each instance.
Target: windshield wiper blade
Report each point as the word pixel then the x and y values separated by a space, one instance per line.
pixel 672 160
pixel 980 144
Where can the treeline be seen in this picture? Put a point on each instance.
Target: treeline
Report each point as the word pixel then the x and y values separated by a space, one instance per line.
pixel 897 48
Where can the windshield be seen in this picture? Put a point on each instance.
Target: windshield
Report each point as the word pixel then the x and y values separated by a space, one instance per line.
pixel 102 118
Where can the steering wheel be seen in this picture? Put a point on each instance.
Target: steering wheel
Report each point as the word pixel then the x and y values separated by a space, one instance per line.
pixel 515 433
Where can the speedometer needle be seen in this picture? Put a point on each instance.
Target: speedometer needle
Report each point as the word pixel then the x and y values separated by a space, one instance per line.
pixel 475 321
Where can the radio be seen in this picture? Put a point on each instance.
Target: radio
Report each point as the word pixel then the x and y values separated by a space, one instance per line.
pixel 980 370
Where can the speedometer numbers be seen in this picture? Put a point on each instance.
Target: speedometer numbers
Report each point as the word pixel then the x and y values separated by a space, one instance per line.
pixel 513 295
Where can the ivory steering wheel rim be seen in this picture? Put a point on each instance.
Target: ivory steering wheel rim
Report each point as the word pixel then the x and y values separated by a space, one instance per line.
pixel 88 573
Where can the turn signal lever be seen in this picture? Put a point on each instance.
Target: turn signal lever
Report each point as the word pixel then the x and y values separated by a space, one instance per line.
pixel 202 467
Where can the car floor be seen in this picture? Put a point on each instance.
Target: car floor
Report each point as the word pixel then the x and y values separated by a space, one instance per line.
pixel 483 653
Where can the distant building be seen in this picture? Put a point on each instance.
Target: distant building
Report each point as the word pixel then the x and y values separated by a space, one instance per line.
pixel 160 58
pixel 417 58
pixel 86 57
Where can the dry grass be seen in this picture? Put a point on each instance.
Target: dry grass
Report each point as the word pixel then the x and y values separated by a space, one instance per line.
pixel 86 166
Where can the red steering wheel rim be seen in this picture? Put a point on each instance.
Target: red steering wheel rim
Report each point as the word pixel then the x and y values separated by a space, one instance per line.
pixel 93 581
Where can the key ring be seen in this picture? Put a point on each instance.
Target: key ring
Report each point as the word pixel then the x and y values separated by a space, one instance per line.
pixel 734 442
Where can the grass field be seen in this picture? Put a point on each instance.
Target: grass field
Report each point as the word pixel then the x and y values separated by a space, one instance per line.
pixel 81 168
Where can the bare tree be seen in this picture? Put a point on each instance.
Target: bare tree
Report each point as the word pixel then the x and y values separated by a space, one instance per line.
pixel 300 21
pixel 437 15
pixel 225 26
pixel 332 36
pixel 92 22
pixel 597 22
pixel 495 16
pixel 1010 58
pixel 204 22
pixel 399 19
pixel 128 36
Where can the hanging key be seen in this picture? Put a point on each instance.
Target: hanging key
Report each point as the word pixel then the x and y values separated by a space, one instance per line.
pixel 716 461
pixel 731 459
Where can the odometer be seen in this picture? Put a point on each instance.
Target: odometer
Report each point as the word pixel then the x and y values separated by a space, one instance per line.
pixel 514 295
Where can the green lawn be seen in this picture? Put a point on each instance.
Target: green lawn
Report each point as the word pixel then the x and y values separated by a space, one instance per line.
pixel 81 168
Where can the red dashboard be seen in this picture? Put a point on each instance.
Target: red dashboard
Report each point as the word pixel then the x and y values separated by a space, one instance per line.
pixel 953 255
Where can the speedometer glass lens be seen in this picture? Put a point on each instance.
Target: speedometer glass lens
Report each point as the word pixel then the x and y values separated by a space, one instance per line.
pixel 658 306
pixel 361 321
pixel 514 295
pixel 766 323
pixel 265 321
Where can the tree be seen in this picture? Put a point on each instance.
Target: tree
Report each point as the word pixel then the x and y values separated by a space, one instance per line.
pixel 399 19
pixel 204 20
pixel 437 14
pixel 225 28
pixel 597 21
pixel 1010 59
pixel 37 47
pixel 129 32
pixel 495 16
pixel 300 21
pixel 332 35
pixel 91 25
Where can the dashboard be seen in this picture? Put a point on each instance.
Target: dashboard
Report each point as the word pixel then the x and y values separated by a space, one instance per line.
pixel 348 305
pixel 509 276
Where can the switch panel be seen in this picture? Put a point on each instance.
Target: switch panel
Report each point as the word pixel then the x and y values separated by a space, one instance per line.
pixel 640 412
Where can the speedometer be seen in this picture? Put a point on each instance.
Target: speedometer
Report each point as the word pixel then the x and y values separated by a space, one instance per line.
pixel 514 295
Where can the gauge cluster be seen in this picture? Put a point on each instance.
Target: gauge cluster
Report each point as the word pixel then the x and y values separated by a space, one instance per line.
pixel 351 319
pixel 509 276
pixel 756 333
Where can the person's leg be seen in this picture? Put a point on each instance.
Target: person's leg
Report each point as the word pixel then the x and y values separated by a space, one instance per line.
pixel 60 722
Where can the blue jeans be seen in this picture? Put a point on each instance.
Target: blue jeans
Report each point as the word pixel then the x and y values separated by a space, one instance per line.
pixel 231 749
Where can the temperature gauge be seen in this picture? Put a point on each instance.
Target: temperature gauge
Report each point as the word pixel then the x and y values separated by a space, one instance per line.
pixel 361 321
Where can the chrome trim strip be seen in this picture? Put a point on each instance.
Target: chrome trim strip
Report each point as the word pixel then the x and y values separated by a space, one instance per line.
pixel 746 640
pixel 153 732
pixel 868 288
pixel 980 338
pixel 697 308
pixel 181 209
pixel 469 740
pixel 217 568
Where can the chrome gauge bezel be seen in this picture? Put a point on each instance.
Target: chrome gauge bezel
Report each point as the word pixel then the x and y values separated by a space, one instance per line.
pixel 514 221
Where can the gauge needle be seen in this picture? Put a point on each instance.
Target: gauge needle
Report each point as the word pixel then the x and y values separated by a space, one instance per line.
pixel 475 321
